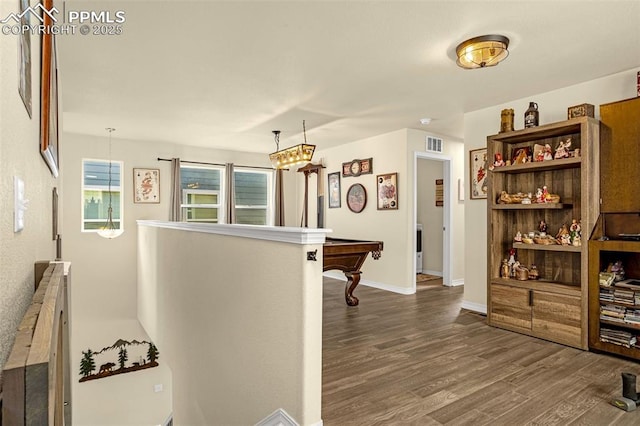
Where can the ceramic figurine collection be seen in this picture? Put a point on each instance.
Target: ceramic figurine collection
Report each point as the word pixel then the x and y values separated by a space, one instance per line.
pixel 513 269
pixel 567 235
pixel 541 196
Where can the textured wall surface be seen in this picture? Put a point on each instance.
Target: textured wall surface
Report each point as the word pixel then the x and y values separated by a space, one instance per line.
pixel 20 156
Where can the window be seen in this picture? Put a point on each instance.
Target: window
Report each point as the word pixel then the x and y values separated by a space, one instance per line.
pixel 202 199
pixel 254 196
pixel 95 194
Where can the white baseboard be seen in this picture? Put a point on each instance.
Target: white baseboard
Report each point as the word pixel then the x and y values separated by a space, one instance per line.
pixel 278 418
pixel 457 282
pixel 475 307
pixel 382 286
pixel 430 272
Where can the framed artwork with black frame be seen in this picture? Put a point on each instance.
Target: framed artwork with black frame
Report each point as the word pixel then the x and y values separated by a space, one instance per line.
pixel 334 190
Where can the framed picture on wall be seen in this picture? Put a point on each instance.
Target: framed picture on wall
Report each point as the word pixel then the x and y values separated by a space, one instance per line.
pixel 24 55
pixel 49 95
pixel 334 190
pixel 146 185
pixel 388 191
pixel 356 198
pixel 478 173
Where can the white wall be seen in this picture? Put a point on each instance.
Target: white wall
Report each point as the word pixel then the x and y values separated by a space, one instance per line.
pixel 480 124
pixel 20 156
pixel 453 149
pixel 393 269
pixel 391 152
pixel 240 321
pixel 105 271
pixel 429 215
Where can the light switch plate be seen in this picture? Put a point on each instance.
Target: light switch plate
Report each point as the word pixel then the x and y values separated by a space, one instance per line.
pixel 20 204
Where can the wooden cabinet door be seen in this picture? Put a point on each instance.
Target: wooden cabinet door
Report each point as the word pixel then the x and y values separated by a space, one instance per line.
pixel 619 164
pixel 510 307
pixel 557 317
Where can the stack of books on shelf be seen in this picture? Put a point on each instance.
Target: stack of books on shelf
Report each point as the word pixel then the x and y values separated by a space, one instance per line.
pixel 628 287
pixel 623 295
pixel 632 316
pixel 612 313
pixel 606 294
pixel 618 337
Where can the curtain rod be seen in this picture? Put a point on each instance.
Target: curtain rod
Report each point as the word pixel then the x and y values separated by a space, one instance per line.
pixel 217 164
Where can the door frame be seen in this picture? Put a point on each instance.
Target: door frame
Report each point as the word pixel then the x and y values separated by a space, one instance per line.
pixel 447 219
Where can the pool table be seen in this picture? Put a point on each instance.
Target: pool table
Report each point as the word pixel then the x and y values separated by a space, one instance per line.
pixel 348 257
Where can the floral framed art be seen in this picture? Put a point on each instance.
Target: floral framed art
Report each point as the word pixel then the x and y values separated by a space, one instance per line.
pixel 356 198
pixel 478 173
pixel 387 191
pixel 334 190
pixel 146 185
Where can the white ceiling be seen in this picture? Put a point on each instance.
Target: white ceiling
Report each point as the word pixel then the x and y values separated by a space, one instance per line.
pixel 225 74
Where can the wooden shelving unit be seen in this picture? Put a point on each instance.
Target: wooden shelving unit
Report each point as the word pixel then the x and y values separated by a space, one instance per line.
pixel 555 307
pixel 620 214
pixel 601 254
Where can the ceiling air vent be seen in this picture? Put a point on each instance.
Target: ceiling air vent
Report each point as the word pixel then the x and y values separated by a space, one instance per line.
pixel 434 144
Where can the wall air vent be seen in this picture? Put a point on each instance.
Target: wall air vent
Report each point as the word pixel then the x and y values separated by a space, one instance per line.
pixel 434 144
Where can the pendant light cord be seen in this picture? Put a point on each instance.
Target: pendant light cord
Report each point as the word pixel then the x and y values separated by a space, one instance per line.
pixel 110 210
pixel 304 131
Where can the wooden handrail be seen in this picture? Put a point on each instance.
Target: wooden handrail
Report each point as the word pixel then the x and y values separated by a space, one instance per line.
pixel 34 374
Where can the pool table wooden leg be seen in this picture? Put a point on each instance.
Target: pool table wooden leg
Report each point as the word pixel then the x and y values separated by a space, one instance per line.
pixel 353 278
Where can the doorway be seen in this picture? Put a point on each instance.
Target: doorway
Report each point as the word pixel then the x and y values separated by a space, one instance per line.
pixel 435 220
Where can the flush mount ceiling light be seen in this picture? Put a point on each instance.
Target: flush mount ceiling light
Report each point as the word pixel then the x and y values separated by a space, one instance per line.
pixel 481 52
pixel 298 154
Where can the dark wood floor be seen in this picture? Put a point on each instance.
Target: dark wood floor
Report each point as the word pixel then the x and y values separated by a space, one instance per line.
pixel 421 360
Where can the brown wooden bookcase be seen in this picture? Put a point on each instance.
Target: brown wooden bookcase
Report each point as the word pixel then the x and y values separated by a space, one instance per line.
pixel 620 214
pixel 555 307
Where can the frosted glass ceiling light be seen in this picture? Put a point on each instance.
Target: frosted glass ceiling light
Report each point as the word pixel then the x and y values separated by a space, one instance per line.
pixel 109 229
pixel 481 52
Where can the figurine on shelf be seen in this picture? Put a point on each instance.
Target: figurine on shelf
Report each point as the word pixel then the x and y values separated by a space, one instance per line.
pixel 504 269
pixel 499 162
pixel 522 273
pixel 539 196
pixel 574 231
pixel 511 262
pixel 542 227
pixel 518 237
pixel 533 273
pixel 545 194
pixel 563 236
pixel 617 269
pixel 562 151
pixel 547 154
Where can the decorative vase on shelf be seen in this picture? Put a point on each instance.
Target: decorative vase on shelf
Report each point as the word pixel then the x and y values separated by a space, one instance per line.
pixel 531 115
